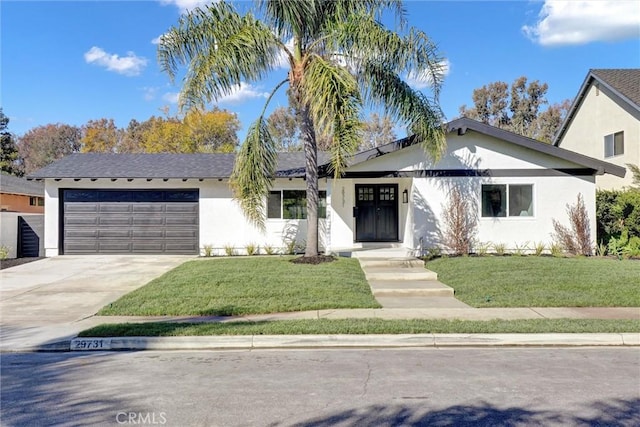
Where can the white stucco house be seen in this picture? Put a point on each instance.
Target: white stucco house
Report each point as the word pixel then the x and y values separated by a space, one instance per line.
pixel 391 195
pixel 604 122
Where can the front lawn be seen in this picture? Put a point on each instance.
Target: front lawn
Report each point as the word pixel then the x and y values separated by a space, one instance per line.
pixel 248 285
pixel 529 281
pixel 363 326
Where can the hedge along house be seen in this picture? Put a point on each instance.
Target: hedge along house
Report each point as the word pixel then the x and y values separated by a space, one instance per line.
pixel 392 195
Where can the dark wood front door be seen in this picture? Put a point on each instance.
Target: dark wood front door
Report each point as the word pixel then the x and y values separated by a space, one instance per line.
pixel 376 213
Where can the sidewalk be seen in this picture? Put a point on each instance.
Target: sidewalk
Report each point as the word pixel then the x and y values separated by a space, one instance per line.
pixel 62 337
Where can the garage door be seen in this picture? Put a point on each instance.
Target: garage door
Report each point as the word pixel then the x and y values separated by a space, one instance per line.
pixel 131 221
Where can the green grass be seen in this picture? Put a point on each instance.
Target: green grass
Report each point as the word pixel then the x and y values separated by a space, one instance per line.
pixel 363 326
pixel 529 281
pixel 251 285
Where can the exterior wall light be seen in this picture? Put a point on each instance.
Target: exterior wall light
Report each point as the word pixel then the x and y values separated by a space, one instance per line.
pixel 405 196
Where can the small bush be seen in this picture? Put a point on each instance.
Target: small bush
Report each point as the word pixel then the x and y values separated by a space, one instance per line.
pixel 500 248
pixel 229 250
pixel 290 247
pixel 4 252
pixel 577 239
pixel 539 248
pixel 556 250
pixel 432 253
pixel 520 249
pixel 482 248
pixel 601 249
pixel 460 224
pixel 208 250
pixel 269 250
pixel 252 249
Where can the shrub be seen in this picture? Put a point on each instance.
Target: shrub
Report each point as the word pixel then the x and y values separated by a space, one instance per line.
pixel 230 250
pixel 290 247
pixel 269 250
pixel 556 250
pixel 520 249
pixel 577 239
pixel 4 252
pixel 500 248
pixel 482 248
pixel 539 248
pixel 460 224
pixel 617 211
pixel 252 249
pixel 208 250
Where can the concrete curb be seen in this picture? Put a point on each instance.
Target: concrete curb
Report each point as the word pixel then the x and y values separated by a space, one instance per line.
pixel 251 342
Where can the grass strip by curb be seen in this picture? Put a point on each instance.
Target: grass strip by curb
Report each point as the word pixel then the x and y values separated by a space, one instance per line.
pixel 362 326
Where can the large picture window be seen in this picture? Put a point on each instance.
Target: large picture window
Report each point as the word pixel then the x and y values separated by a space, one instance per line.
pixel 292 204
pixel 501 200
pixel 614 144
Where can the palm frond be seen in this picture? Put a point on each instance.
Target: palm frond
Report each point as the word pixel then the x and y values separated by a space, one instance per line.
pixel 333 97
pixel 253 172
pixel 382 86
pixel 221 50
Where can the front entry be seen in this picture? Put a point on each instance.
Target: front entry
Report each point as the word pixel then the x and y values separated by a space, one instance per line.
pixel 376 213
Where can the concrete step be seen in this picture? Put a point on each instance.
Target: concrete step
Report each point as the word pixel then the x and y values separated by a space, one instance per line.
pixel 399 273
pixel 383 253
pixel 404 262
pixel 396 288
pixel 420 302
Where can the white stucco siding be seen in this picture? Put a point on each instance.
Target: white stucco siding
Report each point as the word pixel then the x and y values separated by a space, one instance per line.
pixel 550 198
pixel 472 150
pixel 601 113
pixel 221 220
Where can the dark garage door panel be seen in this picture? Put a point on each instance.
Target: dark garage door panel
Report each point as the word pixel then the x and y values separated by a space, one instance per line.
pixel 163 222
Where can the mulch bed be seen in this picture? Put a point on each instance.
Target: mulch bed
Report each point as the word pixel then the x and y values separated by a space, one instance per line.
pixel 319 259
pixel 12 262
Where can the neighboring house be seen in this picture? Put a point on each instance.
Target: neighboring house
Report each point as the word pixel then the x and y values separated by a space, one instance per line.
pixel 20 195
pixel 604 122
pixel 21 216
pixel 391 195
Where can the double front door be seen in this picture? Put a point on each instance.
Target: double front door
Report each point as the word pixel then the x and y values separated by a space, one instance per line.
pixel 376 212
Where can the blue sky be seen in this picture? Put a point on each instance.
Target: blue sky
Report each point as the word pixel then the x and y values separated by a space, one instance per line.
pixel 70 62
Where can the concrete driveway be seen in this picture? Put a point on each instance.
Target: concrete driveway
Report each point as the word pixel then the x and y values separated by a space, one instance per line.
pixel 43 299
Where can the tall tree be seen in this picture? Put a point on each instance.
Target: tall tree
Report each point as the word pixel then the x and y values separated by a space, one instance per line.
pixel 284 129
pixel 212 131
pixel 378 130
pixel 100 136
pixel 517 108
pixel 45 144
pixel 9 156
pixel 339 57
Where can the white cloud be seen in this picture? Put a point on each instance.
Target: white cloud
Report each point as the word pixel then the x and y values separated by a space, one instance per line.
pixel 149 92
pixel 130 65
pixel 283 58
pixel 171 97
pixel 157 39
pixel 425 79
pixel 580 22
pixel 244 92
pixel 186 5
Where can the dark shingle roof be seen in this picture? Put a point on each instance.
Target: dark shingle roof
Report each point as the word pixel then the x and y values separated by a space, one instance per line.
pixel 15 185
pixel 625 81
pixel 100 165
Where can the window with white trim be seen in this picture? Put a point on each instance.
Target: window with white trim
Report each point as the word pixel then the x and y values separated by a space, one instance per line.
pixel 501 200
pixel 292 204
pixel 614 144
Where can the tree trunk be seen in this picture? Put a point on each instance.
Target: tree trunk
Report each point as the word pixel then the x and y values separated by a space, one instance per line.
pixel 311 155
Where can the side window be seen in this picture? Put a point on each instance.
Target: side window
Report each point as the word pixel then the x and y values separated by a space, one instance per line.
pixel 500 200
pixel 494 200
pixel 274 205
pixel 520 200
pixel 292 204
pixel 614 144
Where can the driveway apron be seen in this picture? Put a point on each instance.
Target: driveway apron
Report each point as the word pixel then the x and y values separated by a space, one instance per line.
pixel 42 298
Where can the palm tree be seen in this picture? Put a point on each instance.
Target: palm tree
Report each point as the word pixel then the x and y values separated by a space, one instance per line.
pixel 340 59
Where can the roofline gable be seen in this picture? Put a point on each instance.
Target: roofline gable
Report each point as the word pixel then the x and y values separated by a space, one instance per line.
pixel 463 124
pixel 582 93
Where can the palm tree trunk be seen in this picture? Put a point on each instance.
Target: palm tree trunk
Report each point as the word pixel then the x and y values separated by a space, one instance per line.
pixel 311 175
